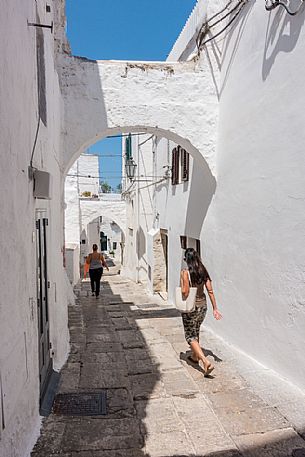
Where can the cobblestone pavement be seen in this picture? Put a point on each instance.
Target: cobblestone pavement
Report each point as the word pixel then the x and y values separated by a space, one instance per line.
pixel 158 404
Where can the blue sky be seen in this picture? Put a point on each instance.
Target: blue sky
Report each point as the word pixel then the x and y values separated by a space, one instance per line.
pixel 123 30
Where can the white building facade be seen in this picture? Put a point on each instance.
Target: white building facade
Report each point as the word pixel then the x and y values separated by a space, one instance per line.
pixel 82 181
pixel 34 338
pixel 249 224
pixel 86 210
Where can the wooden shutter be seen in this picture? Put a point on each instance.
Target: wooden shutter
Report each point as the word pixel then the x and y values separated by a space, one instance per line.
pixel 183 241
pixel 198 247
pixel 128 147
pixel 185 165
pixel 175 166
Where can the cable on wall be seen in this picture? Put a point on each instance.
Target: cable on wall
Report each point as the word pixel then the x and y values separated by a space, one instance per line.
pixel 226 27
pixel 31 168
pixel 206 27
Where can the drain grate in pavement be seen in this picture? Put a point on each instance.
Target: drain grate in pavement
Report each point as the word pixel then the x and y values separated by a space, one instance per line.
pixel 81 404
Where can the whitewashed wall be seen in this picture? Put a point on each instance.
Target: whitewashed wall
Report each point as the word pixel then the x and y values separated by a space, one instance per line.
pixel 72 262
pixel 93 230
pixel 83 176
pixel 18 306
pixel 72 206
pixel 153 203
pixel 114 235
pixel 88 171
pixel 254 235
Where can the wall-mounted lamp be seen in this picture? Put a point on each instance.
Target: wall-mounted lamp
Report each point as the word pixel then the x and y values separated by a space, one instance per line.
pixel 130 168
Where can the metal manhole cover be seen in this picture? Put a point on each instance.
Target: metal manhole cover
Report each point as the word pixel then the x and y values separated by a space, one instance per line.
pixel 298 453
pixel 81 404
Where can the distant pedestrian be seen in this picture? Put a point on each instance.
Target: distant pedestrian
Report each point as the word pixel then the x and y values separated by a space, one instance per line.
pixel 96 262
pixel 192 321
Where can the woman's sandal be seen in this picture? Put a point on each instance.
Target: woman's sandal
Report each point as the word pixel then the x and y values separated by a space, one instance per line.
pixel 209 370
pixel 190 359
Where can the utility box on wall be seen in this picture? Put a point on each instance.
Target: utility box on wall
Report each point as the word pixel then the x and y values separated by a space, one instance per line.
pixel 42 185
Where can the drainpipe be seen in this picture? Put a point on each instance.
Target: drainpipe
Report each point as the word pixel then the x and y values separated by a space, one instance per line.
pixel 138 211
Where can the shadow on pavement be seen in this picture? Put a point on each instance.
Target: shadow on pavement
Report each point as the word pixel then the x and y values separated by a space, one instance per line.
pixel 115 348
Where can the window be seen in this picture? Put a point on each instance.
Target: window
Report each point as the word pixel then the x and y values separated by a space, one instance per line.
pixel 114 245
pixel 180 165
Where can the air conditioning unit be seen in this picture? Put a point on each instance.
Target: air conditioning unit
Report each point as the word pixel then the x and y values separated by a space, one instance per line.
pixel 42 185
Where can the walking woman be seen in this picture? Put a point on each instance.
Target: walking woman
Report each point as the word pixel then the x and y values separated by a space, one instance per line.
pixel 192 321
pixel 96 262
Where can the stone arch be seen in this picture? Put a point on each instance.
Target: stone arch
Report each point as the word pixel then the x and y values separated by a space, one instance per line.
pixel 112 209
pixel 104 98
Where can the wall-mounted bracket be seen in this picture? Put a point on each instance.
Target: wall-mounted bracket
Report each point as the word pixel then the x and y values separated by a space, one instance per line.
pixel 272 4
pixel 44 26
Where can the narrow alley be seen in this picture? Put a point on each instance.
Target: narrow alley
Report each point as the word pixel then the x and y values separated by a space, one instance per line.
pixel 128 348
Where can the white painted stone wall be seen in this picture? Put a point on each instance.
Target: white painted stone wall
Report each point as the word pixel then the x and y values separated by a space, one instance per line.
pixel 155 205
pixel 254 235
pixel 93 231
pixel 93 86
pixel 105 206
pixel 72 262
pixel 82 215
pixel 114 235
pixel 19 397
pixel 88 174
pixel 83 176
pixel 72 206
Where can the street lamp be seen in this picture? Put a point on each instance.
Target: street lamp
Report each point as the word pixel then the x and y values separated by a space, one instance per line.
pixel 130 168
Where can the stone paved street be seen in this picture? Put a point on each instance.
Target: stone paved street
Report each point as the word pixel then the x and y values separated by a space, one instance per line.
pixel 158 404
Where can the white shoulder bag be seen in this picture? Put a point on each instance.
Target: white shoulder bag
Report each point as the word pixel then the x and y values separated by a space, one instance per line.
pixel 187 305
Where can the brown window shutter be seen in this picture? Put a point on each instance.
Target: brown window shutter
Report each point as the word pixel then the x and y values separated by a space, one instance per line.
pixel 183 241
pixel 185 162
pixel 198 247
pixel 175 166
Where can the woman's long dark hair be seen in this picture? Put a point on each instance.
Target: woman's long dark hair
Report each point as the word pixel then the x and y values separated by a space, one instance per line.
pixel 197 270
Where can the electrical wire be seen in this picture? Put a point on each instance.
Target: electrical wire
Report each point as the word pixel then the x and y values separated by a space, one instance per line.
pixel 220 12
pixel 226 15
pixel 123 135
pixel 100 154
pixel 129 190
pixel 35 142
pixel 204 28
pixel 242 3
pixel 108 176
